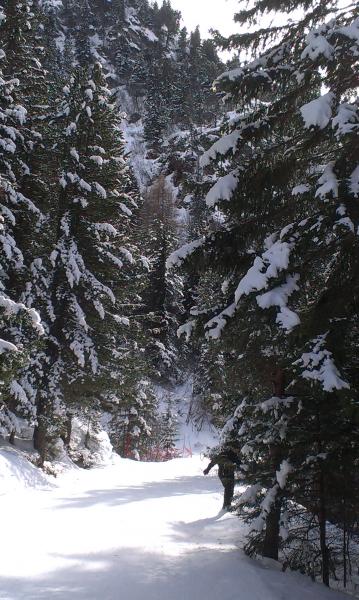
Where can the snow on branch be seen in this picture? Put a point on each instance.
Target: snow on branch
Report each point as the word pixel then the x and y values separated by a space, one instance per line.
pixel 7 347
pixel 279 296
pixel 317 46
pixel 351 31
pixel 216 325
pixel 186 330
pixel 274 260
pixel 78 313
pixel 100 191
pixel 13 308
pixel 18 392
pixel 221 147
pixel 36 320
pixel 318 112
pixel 73 262
pixel 266 505
pixel 287 319
pixel 318 365
pixel 127 254
pixel 302 188
pixel 346 120
pixel 231 75
pixel 222 190
pixel 274 403
pixel 254 280
pixel 179 256
pixel 77 349
pixel 282 475
pixel 249 495
pixel 329 183
pixel 106 228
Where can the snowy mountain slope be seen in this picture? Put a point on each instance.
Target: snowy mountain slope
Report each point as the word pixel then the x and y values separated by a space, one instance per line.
pixel 130 531
pixel 145 169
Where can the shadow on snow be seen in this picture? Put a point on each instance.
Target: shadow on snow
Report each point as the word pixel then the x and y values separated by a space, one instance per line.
pixel 146 491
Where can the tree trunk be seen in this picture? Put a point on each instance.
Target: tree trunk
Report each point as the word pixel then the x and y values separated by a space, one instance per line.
pixel 88 435
pixel 68 431
pixel 345 575
pixel 322 513
pixel 40 432
pixel 271 539
pixel 278 381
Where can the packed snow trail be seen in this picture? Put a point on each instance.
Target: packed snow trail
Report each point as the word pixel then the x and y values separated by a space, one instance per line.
pixel 131 531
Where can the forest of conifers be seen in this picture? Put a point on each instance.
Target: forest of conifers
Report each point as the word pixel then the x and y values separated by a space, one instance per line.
pixel 169 216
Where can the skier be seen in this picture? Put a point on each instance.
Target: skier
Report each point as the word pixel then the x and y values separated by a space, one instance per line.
pixel 227 461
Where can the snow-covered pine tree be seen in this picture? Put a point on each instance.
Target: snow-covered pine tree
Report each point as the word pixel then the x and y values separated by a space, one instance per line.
pixel 53 41
pixel 196 85
pixel 89 250
pixel 215 371
pixel 210 66
pixel 20 329
pixel 83 32
pixel 33 167
pixel 160 85
pixel 134 406
pixel 18 213
pixel 287 202
pixel 161 76
pixel 129 396
pixel 169 429
pixel 163 294
pixel 180 102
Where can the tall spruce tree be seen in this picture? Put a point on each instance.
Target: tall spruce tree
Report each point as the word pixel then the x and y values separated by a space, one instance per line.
pixel 287 256
pixel 89 250
pixel 163 294
pixel 18 214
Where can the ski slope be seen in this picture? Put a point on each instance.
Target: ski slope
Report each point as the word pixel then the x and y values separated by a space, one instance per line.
pixel 128 531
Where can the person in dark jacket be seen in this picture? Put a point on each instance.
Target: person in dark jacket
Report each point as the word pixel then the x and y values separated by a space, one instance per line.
pixel 227 461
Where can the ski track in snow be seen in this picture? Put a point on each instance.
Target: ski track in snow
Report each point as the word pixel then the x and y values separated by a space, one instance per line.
pixel 130 531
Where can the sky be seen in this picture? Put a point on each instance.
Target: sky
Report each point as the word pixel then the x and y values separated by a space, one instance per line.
pixel 216 14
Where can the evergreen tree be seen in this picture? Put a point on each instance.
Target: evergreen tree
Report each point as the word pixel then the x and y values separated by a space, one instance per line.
pixel 169 430
pixel 287 258
pixel 18 322
pixel 89 249
pixel 163 294
pixel 84 29
pixel 134 408
pixel 195 84
pixel 181 105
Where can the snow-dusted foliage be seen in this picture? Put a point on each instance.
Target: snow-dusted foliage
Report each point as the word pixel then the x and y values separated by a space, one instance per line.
pixel 318 112
pixel 278 274
pixel 179 256
pixel 222 189
pixel 20 322
pixel 318 365
pixel 134 414
pixel 163 294
pixel 89 256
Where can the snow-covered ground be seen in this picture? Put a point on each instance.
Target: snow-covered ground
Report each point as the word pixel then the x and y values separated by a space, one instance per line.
pixel 128 531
